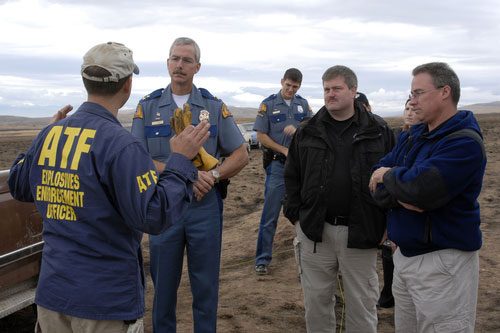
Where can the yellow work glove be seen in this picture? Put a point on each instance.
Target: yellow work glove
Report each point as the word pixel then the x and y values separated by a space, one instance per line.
pixel 182 118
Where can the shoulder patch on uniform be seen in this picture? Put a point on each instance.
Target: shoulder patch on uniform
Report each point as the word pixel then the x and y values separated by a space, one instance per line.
pixel 138 112
pixel 206 94
pixel 225 111
pixel 155 94
pixel 270 98
pixel 262 110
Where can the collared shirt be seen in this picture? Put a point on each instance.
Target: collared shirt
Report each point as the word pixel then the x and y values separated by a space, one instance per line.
pixel 274 115
pixel 151 122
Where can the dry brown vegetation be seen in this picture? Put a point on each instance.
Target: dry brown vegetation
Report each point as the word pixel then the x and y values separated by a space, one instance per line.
pixel 274 303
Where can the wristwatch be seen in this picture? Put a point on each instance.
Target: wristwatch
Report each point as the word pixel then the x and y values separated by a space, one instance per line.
pixel 216 175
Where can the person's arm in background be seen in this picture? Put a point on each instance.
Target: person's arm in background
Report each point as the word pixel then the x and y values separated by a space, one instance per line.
pixel 267 142
pixel 18 181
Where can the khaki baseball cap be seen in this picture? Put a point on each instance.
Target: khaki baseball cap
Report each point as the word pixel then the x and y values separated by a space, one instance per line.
pixel 114 57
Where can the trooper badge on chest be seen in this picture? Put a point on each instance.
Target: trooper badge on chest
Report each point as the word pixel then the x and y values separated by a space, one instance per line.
pixel 204 115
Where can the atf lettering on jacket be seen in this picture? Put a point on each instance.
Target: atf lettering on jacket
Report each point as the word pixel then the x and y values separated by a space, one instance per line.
pixel 60 189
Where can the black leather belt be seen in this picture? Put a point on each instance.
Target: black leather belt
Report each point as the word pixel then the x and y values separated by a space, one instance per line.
pixel 338 220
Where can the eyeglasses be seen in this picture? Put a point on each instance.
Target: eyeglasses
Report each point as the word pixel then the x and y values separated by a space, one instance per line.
pixel 418 93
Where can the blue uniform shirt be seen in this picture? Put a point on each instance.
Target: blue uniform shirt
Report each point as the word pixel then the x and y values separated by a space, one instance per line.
pixel 151 122
pixel 274 115
pixel 97 189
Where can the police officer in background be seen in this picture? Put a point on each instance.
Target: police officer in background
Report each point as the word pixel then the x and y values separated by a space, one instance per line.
pixel 276 122
pixel 200 230
pixel 97 190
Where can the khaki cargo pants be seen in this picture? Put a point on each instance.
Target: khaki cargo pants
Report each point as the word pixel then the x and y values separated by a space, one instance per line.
pixel 51 322
pixel 318 268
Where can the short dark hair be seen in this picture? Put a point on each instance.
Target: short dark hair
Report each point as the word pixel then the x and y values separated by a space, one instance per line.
pixel 350 78
pixel 442 75
pixel 293 74
pixel 102 88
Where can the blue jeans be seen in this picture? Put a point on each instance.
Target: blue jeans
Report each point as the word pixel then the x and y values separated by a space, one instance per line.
pixel 274 194
pixel 200 232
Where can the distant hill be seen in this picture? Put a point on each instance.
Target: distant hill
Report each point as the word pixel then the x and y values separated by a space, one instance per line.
pixel 492 107
pixel 18 123
pixel 124 116
pixel 239 113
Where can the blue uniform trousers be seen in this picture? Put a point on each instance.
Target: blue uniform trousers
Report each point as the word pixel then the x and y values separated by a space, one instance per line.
pixel 200 232
pixel 274 193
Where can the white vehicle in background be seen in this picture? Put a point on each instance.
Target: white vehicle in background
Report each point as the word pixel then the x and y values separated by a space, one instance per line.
pixel 246 136
pixel 253 134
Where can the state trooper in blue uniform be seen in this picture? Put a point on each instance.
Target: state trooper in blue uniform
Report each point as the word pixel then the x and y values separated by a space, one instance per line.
pixel 97 190
pixel 276 121
pixel 200 230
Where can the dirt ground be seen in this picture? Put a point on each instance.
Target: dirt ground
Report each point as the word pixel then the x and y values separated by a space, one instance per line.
pixel 274 303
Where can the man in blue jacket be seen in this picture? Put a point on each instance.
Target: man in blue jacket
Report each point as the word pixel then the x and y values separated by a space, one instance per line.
pixel 97 190
pixel 431 181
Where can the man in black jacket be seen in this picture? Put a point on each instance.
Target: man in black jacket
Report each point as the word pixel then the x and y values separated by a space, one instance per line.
pixel 327 199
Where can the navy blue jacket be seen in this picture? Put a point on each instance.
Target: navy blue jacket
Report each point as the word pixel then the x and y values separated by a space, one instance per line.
pixel 97 190
pixel 440 172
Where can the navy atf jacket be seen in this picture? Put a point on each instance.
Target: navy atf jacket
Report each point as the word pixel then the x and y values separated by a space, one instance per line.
pixel 440 172
pixel 97 190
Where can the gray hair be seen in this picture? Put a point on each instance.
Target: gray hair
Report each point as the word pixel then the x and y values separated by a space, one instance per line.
pixel 186 41
pixel 442 75
pixel 350 78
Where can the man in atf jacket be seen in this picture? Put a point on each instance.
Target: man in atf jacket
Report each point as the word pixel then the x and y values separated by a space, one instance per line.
pixel 98 190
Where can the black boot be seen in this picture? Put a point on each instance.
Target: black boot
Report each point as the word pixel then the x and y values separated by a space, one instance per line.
pixel 386 299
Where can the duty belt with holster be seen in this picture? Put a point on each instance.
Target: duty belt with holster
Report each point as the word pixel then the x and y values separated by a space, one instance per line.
pixel 269 155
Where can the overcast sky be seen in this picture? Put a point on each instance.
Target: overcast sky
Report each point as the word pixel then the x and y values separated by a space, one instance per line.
pixel 247 45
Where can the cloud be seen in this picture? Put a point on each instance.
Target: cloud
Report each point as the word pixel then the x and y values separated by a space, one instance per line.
pixel 246 46
pixel 248 98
